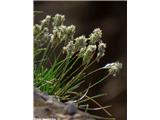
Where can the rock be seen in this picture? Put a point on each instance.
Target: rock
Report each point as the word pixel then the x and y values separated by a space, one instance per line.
pixel 71 108
pixel 46 106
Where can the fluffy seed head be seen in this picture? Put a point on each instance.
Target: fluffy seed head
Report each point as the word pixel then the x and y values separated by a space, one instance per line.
pixel 113 68
pixel 48 18
pixel 95 36
pixel 58 20
pixel 101 50
pixel 36 29
pixel 70 48
pixel 89 53
pixel 80 42
pixel 69 32
pixel 70 29
pixel 45 22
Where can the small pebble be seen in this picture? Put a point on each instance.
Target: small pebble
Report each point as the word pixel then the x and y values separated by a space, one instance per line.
pixel 71 108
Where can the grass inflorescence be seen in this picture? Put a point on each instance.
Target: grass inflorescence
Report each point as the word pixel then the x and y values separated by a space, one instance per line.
pixel 61 61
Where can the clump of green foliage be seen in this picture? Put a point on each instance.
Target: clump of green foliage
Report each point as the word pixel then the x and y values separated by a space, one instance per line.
pixel 61 61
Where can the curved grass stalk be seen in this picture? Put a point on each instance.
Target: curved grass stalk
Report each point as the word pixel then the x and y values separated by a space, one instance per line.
pixel 95 109
pixel 87 106
pixel 49 52
pixel 99 81
pixel 44 54
pixel 108 113
pixel 93 97
pixel 59 81
pixel 101 118
pixel 76 80
pixel 65 73
pixel 74 72
pixel 90 73
pixel 99 105
pixel 86 66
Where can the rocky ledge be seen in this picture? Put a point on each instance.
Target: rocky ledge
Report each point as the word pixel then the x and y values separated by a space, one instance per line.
pixel 47 107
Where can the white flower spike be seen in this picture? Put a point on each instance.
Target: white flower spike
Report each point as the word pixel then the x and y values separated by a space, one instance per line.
pixel 113 68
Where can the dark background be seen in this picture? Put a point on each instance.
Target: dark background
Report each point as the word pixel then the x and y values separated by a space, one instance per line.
pixel 111 17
